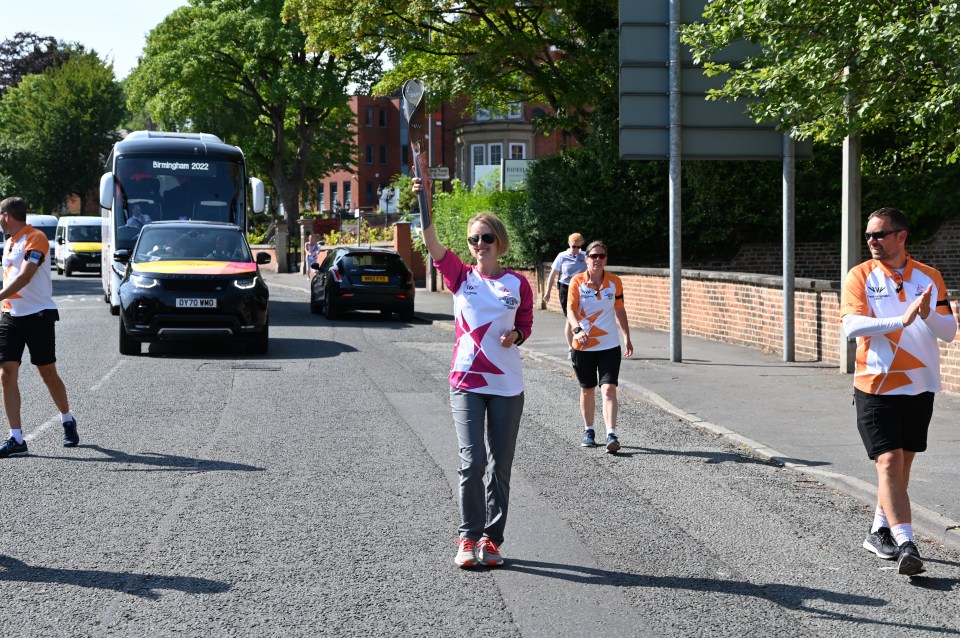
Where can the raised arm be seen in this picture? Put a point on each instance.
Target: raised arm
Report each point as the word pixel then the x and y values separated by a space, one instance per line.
pixel 429 233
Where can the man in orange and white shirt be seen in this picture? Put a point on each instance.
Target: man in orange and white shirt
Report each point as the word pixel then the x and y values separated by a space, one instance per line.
pixel 27 317
pixel 897 309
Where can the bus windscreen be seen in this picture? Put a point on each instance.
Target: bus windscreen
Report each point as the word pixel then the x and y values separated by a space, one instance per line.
pixel 178 188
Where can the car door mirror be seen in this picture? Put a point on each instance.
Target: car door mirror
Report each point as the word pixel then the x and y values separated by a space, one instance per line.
pixel 122 256
pixel 263 258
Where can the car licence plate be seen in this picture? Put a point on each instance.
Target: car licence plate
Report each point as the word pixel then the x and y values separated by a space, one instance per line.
pixel 194 302
pixel 380 279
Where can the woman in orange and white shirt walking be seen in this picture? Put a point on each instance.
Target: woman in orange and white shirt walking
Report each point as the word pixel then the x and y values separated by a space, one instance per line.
pixel 595 309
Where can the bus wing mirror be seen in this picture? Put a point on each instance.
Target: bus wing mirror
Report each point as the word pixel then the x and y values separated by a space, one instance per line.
pixel 258 195
pixel 122 256
pixel 106 190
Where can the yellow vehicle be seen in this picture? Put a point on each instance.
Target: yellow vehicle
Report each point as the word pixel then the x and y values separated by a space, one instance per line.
pixel 77 245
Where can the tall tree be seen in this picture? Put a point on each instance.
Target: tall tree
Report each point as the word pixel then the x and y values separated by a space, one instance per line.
pixel 829 67
pixel 30 54
pixel 490 52
pixel 237 69
pixel 57 129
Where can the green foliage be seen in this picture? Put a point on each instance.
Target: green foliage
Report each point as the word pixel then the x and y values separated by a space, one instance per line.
pixel 237 69
pixel 828 67
pixel 56 129
pixel 368 235
pixel 489 52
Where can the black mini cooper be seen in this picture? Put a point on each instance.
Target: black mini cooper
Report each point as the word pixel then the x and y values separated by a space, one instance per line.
pixel 192 280
pixel 362 278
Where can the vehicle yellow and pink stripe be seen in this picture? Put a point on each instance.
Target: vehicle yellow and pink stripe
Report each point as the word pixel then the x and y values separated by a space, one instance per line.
pixel 195 267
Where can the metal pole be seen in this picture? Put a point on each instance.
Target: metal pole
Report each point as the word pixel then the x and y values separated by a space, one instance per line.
pixel 676 274
pixel 850 227
pixel 789 212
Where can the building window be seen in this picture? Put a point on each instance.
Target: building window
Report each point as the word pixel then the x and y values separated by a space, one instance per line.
pixel 369 189
pixel 478 154
pixel 482 115
pixel 518 151
pixel 369 116
pixel 383 118
pixel 333 195
pixel 369 153
pixel 515 111
pixel 347 200
pixel 383 154
pixel 496 154
pixel 320 196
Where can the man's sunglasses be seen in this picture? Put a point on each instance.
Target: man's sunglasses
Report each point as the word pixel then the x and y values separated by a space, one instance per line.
pixel 488 238
pixel 598 256
pixel 575 246
pixel 880 234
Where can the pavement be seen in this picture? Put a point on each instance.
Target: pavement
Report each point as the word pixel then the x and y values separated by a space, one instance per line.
pixel 797 414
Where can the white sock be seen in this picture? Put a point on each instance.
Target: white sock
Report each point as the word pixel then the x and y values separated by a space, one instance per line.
pixel 612 431
pixel 17 434
pixel 66 416
pixel 587 427
pixel 879 520
pixel 903 532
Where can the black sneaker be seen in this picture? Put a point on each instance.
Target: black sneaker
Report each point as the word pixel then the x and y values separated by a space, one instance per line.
pixel 613 444
pixel 881 543
pixel 70 436
pixel 589 438
pixel 908 560
pixel 10 447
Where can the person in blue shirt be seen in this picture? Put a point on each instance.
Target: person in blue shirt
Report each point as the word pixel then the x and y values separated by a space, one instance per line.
pixel 566 266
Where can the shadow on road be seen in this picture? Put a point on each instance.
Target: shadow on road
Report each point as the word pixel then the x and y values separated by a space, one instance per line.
pixel 157 462
pixel 794 597
pixel 139 585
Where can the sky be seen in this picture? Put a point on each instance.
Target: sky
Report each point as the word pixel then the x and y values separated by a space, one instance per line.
pixel 115 29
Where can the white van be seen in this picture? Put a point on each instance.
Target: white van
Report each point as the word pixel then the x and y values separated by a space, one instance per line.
pixel 48 224
pixel 77 244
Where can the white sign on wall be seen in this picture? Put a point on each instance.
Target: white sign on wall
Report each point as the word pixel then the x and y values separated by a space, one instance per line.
pixel 513 173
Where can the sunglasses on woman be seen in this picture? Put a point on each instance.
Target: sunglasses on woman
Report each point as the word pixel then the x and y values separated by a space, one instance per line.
pixel 488 238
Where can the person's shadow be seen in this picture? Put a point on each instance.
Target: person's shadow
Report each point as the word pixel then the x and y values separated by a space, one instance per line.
pixel 140 585
pixel 794 597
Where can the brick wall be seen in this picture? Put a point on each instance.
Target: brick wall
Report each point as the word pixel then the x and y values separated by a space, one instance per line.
pixel 821 260
pixel 747 310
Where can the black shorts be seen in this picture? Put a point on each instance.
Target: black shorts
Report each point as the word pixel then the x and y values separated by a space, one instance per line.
pixel 591 364
pixel 563 289
pixel 37 332
pixel 893 422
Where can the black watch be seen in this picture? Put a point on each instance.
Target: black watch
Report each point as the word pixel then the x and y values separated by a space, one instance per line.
pixel 577 330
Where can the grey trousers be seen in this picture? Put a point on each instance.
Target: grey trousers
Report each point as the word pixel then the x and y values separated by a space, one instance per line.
pixel 486 459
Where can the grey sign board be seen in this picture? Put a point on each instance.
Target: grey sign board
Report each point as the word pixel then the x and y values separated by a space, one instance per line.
pixel 710 129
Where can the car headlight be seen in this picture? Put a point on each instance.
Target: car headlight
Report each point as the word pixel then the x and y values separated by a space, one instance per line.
pixel 143 282
pixel 245 283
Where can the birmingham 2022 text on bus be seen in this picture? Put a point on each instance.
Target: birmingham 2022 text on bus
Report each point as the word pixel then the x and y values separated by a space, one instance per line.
pixel 153 176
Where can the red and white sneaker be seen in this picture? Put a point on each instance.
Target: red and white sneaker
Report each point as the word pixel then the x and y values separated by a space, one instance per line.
pixel 466 552
pixel 488 553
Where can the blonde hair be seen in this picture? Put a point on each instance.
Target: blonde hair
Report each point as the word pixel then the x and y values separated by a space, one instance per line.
pixel 496 226
pixel 575 238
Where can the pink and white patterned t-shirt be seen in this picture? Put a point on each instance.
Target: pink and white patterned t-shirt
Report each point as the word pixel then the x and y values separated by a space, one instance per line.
pixel 483 309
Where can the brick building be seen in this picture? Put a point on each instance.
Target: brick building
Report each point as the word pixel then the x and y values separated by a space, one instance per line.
pixel 468 146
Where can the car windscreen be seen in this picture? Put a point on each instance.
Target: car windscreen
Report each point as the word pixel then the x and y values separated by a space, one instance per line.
pixel 381 262
pixel 157 243
pixel 49 231
pixel 83 233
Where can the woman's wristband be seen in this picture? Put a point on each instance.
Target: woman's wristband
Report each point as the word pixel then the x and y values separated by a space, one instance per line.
pixel 519 337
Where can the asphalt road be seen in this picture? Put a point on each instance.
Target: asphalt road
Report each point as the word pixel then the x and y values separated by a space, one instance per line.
pixel 311 492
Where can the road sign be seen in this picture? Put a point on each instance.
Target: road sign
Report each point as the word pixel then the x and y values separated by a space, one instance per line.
pixel 709 129
pixel 439 172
